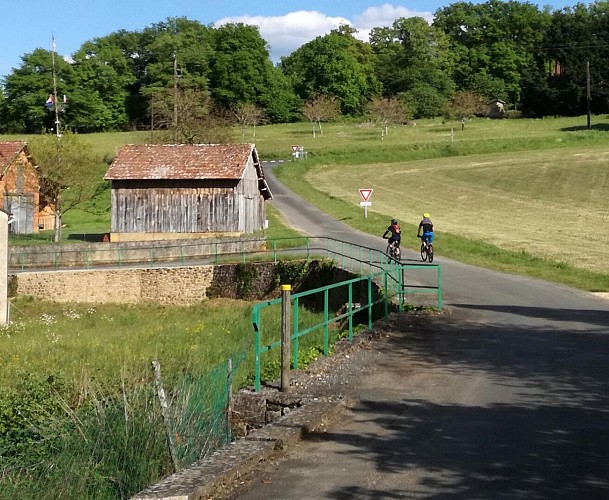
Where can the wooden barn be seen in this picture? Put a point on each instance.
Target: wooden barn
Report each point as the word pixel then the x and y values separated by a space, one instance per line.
pixel 186 190
pixel 20 188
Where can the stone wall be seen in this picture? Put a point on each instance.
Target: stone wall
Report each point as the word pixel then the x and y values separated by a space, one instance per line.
pixel 181 285
pixel 163 285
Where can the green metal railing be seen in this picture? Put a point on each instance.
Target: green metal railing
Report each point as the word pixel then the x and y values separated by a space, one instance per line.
pixel 388 273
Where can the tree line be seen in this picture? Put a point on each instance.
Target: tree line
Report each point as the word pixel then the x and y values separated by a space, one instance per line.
pixel 538 61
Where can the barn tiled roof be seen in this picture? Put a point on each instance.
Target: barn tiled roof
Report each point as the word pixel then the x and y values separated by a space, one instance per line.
pixel 8 151
pixel 181 161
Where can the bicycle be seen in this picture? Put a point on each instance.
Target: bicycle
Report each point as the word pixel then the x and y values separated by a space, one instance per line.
pixel 393 250
pixel 426 249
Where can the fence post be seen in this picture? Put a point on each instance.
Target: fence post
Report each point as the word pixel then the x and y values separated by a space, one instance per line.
pixel 156 367
pixel 285 337
pixel 229 381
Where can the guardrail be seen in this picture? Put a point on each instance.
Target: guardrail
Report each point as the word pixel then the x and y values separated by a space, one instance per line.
pixel 388 273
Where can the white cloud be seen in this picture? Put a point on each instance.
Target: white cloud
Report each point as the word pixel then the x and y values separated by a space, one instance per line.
pixel 285 34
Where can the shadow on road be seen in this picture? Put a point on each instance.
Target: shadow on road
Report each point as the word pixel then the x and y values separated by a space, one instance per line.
pixel 548 438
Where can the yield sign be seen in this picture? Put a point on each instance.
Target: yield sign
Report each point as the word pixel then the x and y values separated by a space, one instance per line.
pixel 365 193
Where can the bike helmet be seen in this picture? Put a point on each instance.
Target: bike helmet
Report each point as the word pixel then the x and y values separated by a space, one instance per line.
pixel 394 221
pixel 425 215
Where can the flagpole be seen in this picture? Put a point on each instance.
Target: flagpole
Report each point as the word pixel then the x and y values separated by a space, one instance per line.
pixel 55 90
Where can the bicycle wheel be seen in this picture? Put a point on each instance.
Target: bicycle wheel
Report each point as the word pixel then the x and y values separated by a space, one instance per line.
pixel 430 253
pixel 423 252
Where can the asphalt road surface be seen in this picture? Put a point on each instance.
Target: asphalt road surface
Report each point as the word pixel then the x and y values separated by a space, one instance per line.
pixel 505 395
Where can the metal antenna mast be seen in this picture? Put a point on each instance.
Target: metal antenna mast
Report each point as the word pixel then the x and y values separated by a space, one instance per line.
pixel 55 90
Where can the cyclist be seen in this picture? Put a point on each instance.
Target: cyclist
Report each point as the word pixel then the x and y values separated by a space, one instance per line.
pixel 396 236
pixel 427 227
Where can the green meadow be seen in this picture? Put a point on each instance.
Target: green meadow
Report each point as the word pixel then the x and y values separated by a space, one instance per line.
pixel 522 195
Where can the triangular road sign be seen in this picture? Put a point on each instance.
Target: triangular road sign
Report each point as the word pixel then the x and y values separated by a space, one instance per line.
pixel 365 193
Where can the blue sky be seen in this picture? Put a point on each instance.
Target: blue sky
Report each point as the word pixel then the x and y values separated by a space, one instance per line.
pixel 284 24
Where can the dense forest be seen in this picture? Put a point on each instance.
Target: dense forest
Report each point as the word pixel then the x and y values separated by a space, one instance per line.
pixel 539 62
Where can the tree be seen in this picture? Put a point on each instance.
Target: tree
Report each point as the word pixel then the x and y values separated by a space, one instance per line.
pixel 336 65
pixel 496 38
pixel 247 114
pixel 413 60
pixel 240 67
pixel 187 116
pixel 465 104
pixel 28 88
pixel 321 108
pixel 385 111
pixel 102 77
pixel 68 172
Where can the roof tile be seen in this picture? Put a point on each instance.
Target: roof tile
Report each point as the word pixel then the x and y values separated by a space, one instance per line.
pixel 8 151
pixel 181 161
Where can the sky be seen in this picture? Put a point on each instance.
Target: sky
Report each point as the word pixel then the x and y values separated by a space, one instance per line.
pixel 284 24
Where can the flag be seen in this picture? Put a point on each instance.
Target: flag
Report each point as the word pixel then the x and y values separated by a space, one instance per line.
pixel 50 101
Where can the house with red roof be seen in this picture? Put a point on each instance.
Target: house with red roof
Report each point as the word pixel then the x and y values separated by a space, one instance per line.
pixel 20 190
pixel 186 191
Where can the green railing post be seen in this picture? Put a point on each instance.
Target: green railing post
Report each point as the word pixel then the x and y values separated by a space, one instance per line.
pixel 86 259
pixel 216 256
pixel 326 327
pixel 308 248
pixel 181 254
pixel 439 288
pixel 401 288
pixel 370 303
pixel 22 259
pixel 386 285
pixel 243 250
pixel 350 312
pixel 295 335
pixel 151 257
pixel 275 251
pixel 257 328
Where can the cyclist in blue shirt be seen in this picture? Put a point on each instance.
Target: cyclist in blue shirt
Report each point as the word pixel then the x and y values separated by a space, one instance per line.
pixel 426 226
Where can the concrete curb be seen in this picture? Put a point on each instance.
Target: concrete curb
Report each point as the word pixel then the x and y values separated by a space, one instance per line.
pixel 210 474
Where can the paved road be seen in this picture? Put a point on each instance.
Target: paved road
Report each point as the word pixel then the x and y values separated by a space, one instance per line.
pixel 504 396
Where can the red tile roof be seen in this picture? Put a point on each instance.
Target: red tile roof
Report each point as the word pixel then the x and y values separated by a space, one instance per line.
pixel 181 161
pixel 8 151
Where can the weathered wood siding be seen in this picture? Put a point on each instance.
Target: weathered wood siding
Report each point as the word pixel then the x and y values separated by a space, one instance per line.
pixel 20 194
pixel 188 206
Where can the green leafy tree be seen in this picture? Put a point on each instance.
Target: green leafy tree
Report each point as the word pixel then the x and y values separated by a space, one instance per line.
pixel 68 170
pixel 240 67
pixel 412 54
pixel 102 76
pixel 28 88
pixel 336 65
pixel 494 38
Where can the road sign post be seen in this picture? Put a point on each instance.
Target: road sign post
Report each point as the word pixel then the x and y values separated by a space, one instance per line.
pixel 365 194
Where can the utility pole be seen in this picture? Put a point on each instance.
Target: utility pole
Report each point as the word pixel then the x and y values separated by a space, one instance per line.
pixel 588 92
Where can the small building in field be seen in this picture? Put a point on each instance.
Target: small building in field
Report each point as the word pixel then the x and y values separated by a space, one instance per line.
pixel 186 191
pixel 20 188
pixel 496 109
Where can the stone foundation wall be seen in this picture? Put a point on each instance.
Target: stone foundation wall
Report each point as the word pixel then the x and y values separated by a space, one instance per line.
pixel 164 285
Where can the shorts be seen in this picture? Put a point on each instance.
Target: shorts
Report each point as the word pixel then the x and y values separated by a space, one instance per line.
pixel 428 237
